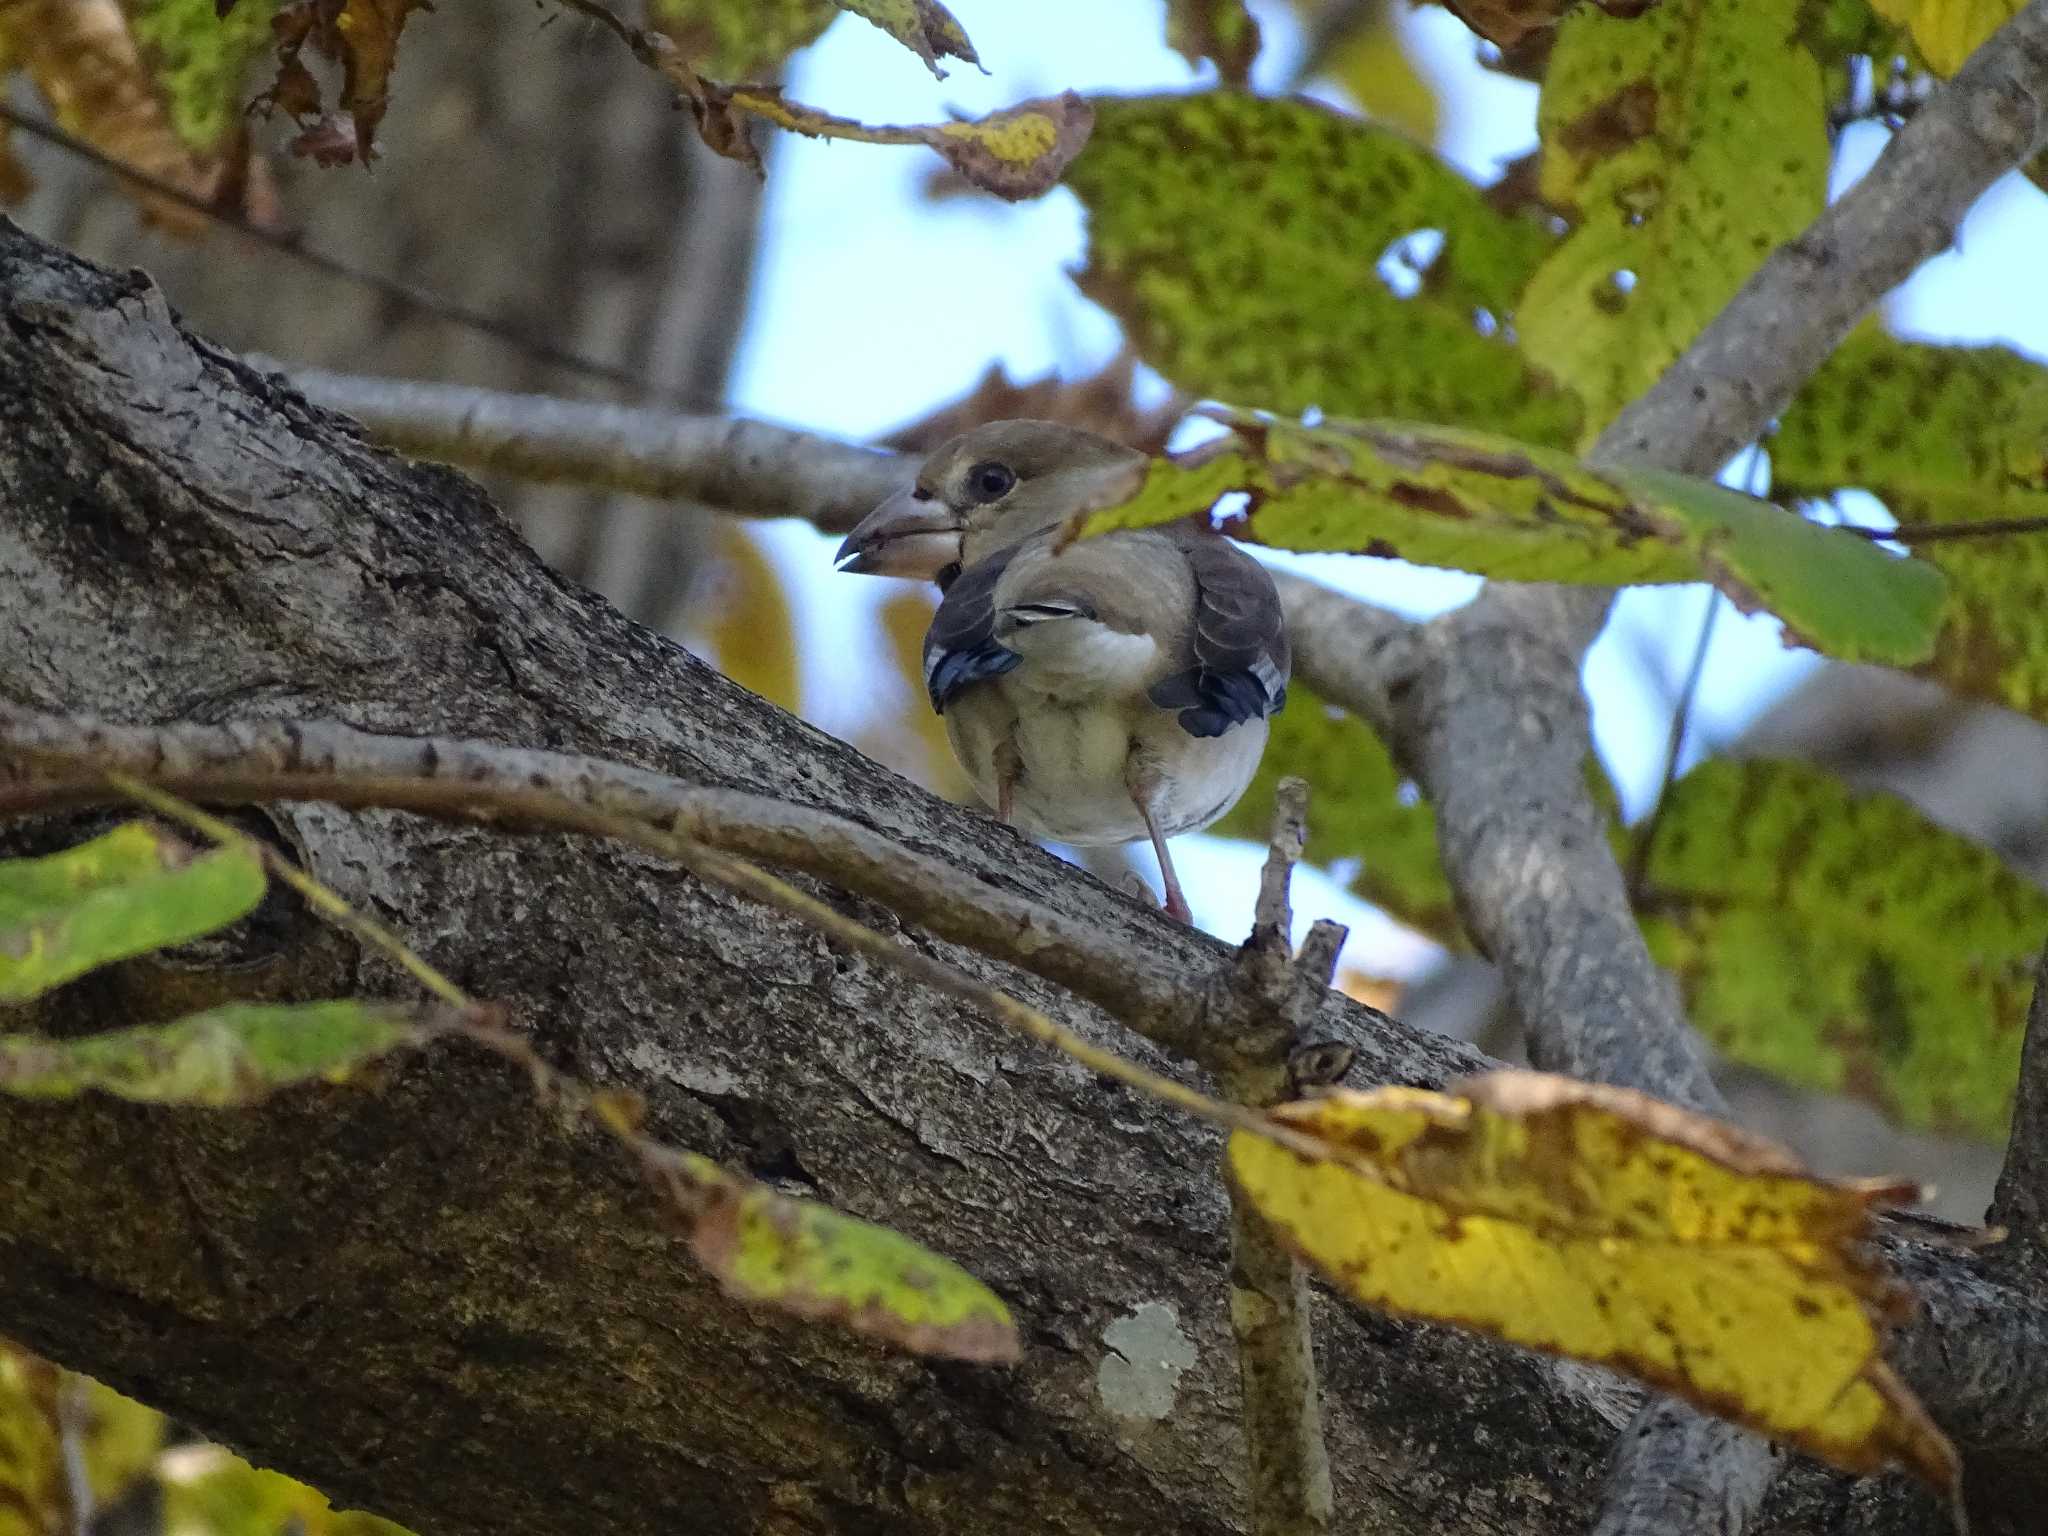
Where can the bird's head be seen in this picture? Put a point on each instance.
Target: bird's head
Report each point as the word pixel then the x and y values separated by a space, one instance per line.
pixel 986 490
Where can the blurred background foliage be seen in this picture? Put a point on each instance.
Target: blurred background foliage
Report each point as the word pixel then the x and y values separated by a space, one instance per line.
pixel 76 1457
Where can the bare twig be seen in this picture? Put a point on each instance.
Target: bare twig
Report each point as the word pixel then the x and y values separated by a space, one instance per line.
pixel 2020 1204
pixel 1674 747
pixel 1938 533
pixel 398 292
pixel 1265 998
pixel 517 788
pixel 746 468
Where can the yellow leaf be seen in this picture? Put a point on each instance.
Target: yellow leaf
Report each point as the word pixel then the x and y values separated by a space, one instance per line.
pixel 1948 31
pixel 1371 61
pixel 750 631
pixel 1599 1223
pixel 33 1499
pixel 906 615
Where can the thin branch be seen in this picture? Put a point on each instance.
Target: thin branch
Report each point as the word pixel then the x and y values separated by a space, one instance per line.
pixel 746 468
pixel 2020 1204
pixel 398 292
pixel 515 788
pixel 1268 995
pixel 1674 748
pixel 1938 533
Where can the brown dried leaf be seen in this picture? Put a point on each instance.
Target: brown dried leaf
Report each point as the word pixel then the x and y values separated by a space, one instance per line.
pixel 1016 153
pixel 1101 403
pixel 82 57
pixel 362 35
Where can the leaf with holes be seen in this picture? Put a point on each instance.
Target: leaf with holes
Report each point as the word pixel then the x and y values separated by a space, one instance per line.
pixel 1356 811
pixel 1843 941
pixel 236 1054
pixel 1479 502
pixel 1254 281
pixel 1598 1223
pixel 1945 435
pixel 128 892
pixel 1688 143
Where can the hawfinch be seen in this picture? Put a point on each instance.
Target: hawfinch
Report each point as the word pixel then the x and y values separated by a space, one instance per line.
pixel 1114 688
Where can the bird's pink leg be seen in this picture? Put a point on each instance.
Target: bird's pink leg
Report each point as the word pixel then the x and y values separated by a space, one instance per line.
pixel 1144 785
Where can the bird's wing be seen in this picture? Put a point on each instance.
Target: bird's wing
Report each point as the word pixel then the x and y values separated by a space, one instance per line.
pixel 960 648
pixel 1238 639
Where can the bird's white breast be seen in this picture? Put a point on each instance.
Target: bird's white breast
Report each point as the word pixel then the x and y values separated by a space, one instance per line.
pixel 1076 761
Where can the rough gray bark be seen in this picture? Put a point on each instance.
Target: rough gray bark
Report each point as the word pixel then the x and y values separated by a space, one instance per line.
pixel 530 174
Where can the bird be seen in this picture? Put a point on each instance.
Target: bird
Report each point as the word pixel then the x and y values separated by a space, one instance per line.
pixel 1097 691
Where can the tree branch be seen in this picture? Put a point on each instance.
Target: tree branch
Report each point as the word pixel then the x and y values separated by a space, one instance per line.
pixel 1261 1005
pixel 2020 1204
pixel 746 468
pixel 515 788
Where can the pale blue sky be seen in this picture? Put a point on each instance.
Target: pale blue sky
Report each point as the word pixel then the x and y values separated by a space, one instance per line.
pixel 873 306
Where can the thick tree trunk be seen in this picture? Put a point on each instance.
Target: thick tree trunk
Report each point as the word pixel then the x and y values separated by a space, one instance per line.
pixel 531 172
pixel 430 1298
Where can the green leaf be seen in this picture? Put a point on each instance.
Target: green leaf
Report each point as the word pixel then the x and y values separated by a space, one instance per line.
pixel 1842 941
pixel 809 1259
pixel 1479 502
pixel 1255 279
pixel 131 891
pixel 199 57
pixel 1836 593
pixel 231 1055
pixel 1355 811
pixel 925 27
pixel 1689 142
pixel 1944 435
pixel 740 39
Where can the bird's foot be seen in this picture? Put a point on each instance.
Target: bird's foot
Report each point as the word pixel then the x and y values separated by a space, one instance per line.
pixel 1176 907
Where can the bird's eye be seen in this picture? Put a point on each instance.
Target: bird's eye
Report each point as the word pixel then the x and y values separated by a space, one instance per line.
pixel 991 481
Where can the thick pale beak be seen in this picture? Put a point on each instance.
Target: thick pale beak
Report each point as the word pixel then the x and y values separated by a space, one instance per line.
pixel 906 535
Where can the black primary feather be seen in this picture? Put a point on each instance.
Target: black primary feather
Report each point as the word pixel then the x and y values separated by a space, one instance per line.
pixel 960 648
pixel 1240 644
